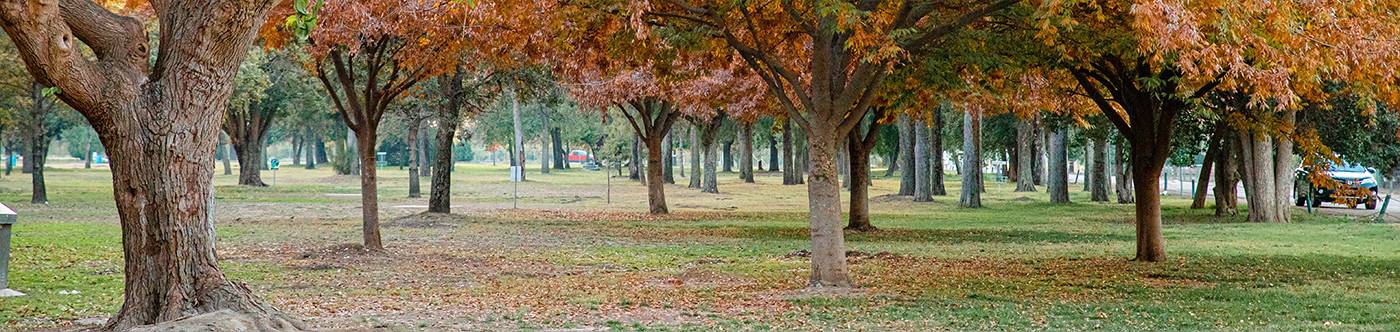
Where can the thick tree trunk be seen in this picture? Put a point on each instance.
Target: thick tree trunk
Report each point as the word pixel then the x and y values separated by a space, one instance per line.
pixel 972 160
pixel 907 176
pixel 561 155
pixel 892 161
pixel 1025 156
pixel 1041 142
pixel 545 151
pixel 729 156
pixel 1284 169
pixel 440 195
pixel 710 184
pixel 369 192
pixel 656 186
pixel 1148 210
pixel 1226 174
pixel 923 184
pixel 1057 181
pixel 634 168
pixel 321 157
pixel 1099 182
pixel 828 257
pixel 860 192
pixel 413 162
pixel 935 146
pixel 746 152
pixel 250 159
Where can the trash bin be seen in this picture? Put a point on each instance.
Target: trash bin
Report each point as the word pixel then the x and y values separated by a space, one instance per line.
pixel 7 220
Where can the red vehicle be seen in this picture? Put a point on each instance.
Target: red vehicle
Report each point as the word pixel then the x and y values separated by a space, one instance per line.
pixel 578 156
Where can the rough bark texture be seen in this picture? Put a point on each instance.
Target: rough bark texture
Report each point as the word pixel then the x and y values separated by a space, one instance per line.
pixel 561 154
pixel 1025 156
pixel 772 153
pixel 1268 175
pixel 160 125
pixel 728 152
pixel 907 179
pixel 448 119
pixel 247 130
pixel 1057 177
pixel 1099 182
pixel 935 146
pixel 746 152
pixel 859 144
pixel 651 120
pixel 829 268
pixel 972 160
pixel 923 186
pixel 1226 175
pixel 708 135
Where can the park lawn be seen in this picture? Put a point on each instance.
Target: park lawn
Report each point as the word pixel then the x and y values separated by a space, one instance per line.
pixel 569 259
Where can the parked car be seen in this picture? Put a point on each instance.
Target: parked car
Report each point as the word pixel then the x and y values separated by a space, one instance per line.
pixel 578 156
pixel 1353 179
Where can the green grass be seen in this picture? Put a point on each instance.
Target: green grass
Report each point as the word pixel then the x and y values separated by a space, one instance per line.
pixel 572 260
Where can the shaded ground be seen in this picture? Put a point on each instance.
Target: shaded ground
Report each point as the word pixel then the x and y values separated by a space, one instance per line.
pixel 730 261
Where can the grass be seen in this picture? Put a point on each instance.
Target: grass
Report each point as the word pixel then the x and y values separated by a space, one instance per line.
pixel 569 259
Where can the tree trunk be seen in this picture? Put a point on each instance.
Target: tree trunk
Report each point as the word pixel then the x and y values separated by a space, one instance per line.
pixel 321 157
pixel 710 184
pixel 634 168
pixel 1041 143
pixel 561 155
pixel 772 152
pixel 892 161
pixel 828 257
pixel 746 152
pixel 413 162
pixel 1198 198
pixel 923 187
pixel 440 195
pixel 1099 182
pixel 1125 183
pixel 312 141
pixel 729 156
pixel 1284 168
pixel 1057 179
pixel 667 175
pixel 296 149
pixel 695 152
pixel 907 178
pixel 1148 210
pixel 87 160
pixel 228 153
pixel 369 191
pixel 789 161
pixel 1226 175
pixel 1025 155
pixel 860 192
pixel 1089 161
pixel 935 146
pixel 250 159
pixel 39 151
pixel 972 160
pixel 656 186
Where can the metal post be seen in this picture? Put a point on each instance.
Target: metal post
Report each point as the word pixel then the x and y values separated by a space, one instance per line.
pixel 7 219
pixel 1384 205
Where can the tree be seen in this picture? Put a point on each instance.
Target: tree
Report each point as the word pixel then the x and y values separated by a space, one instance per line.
pixel 247 120
pixel 364 68
pixel 822 61
pixel 159 122
pixel 1144 64
pixel 859 144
